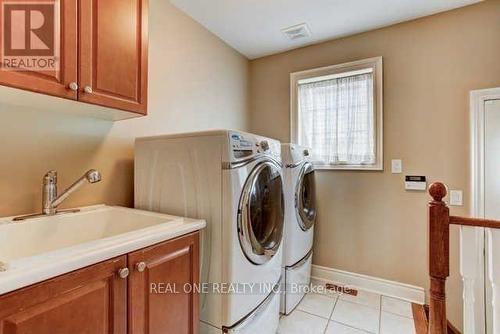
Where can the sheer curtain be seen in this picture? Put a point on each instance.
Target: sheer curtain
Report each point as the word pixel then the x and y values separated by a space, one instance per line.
pixel 336 119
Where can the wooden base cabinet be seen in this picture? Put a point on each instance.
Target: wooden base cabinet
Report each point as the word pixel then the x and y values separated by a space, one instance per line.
pixel 87 301
pixel 161 288
pixel 118 296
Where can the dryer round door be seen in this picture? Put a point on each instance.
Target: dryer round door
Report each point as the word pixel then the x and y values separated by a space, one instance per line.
pixel 261 213
pixel 305 197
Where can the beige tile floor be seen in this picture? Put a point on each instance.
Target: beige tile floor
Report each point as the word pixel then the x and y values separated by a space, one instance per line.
pixel 344 314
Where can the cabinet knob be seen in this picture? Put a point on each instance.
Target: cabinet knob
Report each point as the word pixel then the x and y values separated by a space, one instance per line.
pixel 88 90
pixel 123 273
pixel 73 86
pixel 141 266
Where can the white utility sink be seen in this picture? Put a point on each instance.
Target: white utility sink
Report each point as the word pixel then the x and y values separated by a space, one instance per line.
pixel 36 249
pixel 40 235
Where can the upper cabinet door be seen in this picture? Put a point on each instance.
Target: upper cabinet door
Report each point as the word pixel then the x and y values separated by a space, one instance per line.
pixel 113 53
pixel 39 46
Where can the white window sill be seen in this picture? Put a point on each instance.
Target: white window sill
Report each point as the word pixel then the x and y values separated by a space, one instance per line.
pixel 322 166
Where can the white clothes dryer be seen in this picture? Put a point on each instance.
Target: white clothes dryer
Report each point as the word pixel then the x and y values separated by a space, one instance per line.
pixel 300 217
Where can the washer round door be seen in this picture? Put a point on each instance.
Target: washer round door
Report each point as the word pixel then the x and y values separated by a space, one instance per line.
pixel 305 197
pixel 261 213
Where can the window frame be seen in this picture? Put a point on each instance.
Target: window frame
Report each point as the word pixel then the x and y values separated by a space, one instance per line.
pixel 376 65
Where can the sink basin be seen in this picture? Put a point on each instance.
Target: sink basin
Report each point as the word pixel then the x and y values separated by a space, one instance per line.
pixel 41 248
pixel 40 235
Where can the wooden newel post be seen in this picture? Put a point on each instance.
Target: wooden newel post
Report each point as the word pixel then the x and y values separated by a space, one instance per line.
pixel 439 258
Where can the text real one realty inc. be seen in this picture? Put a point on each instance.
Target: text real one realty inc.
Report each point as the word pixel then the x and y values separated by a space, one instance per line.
pixel 219 288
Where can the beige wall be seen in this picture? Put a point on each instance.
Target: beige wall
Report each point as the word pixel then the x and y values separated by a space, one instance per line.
pixel 367 223
pixel 196 82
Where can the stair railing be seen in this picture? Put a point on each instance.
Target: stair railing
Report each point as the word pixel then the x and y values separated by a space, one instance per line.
pixel 439 253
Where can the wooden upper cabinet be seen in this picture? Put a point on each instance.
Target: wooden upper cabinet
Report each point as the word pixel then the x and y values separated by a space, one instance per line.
pixel 113 53
pixel 101 48
pixel 87 301
pixel 160 298
pixel 52 80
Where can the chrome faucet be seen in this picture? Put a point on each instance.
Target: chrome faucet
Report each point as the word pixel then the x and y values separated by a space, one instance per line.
pixel 50 200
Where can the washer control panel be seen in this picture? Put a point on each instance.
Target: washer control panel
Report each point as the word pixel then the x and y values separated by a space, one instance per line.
pixel 245 145
pixel 242 147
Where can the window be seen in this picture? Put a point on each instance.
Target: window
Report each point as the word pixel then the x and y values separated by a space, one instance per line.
pixel 337 111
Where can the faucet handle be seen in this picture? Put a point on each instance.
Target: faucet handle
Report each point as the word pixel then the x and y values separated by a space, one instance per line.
pixel 50 177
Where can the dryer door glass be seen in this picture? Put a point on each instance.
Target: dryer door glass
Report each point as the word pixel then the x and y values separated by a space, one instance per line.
pixel 305 197
pixel 261 218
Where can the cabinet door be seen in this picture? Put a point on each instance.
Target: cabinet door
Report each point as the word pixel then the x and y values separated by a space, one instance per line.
pixel 88 301
pixel 113 53
pixel 56 80
pixel 160 296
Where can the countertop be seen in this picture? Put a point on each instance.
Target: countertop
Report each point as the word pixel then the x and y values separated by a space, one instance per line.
pixel 23 271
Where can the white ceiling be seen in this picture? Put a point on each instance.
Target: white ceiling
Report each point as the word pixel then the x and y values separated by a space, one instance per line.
pixel 253 27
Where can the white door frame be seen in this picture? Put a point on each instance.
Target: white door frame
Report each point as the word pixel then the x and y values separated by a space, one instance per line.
pixel 478 99
pixel 472 239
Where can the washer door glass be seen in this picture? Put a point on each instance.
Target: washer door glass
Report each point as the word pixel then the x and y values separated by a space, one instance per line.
pixel 261 214
pixel 305 197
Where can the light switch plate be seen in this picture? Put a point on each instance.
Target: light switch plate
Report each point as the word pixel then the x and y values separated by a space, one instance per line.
pixel 397 166
pixel 456 197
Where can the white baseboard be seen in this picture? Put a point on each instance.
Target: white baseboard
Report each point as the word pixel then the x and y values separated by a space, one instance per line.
pixel 381 286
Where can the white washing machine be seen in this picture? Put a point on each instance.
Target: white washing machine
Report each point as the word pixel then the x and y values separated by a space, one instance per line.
pixel 300 216
pixel 232 180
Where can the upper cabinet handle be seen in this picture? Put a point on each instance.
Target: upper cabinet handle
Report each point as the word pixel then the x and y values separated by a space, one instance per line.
pixel 73 86
pixel 88 90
